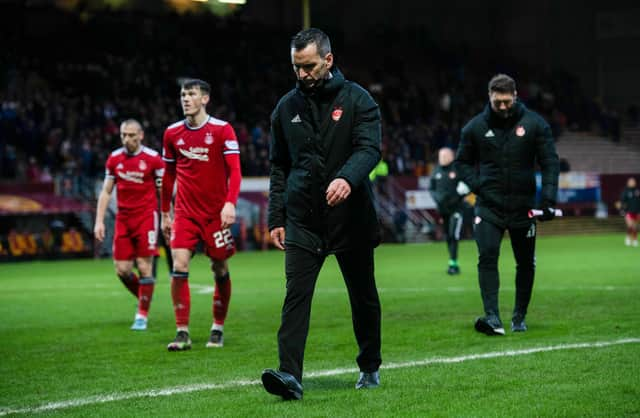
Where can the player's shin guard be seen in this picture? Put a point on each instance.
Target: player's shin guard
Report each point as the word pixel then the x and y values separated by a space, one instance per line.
pixel 145 293
pixel 131 282
pixel 221 298
pixel 181 298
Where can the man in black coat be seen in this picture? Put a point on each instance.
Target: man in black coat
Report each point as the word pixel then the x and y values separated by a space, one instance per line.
pixel 325 140
pixel 505 142
pixel 449 193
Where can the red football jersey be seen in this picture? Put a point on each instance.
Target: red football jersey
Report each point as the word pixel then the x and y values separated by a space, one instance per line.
pixel 207 167
pixel 136 177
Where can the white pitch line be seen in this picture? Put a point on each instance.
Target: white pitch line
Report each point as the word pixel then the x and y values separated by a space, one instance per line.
pixel 178 390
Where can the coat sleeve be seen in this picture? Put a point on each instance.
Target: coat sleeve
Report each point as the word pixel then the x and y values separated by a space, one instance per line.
pixel 366 140
pixel 433 188
pixel 280 165
pixel 466 159
pixel 549 164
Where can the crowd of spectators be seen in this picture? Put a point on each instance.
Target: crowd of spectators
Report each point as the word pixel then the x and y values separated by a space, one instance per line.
pixel 60 108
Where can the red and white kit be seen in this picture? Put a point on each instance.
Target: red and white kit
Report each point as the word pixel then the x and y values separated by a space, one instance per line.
pixel 206 162
pixel 136 177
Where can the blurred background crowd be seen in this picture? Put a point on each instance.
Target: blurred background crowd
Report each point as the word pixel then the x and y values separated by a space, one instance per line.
pixel 60 108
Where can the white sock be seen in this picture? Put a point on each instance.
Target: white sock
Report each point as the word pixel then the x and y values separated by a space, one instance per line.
pixel 186 329
pixel 138 316
pixel 217 327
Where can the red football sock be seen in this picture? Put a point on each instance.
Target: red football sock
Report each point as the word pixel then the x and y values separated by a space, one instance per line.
pixel 181 298
pixel 221 298
pixel 131 282
pixel 145 293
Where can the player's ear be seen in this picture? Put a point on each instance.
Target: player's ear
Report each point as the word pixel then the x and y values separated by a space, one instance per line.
pixel 205 99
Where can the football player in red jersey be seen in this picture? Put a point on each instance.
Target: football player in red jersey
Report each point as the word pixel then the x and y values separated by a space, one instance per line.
pixel 136 171
pixel 203 158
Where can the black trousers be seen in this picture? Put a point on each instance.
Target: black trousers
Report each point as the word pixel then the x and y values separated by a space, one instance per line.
pixel 302 269
pixel 453 224
pixel 523 242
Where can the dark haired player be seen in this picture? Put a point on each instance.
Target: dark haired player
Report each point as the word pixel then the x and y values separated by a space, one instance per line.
pixel 203 158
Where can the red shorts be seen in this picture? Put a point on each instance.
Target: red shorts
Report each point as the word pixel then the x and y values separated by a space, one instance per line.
pixel 634 217
pixel 135 236
pixel 187 233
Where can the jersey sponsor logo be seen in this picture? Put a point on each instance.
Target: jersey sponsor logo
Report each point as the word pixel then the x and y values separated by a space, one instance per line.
pixel 489 134
pixel 132 176
pixel 296 119
pixel 180 142
pixel 142 165
pixel 520 130
pixel 208 138
pixel 336 114
pixel 119 166
pixel 196 153
pixel 231 144
pixel 452 175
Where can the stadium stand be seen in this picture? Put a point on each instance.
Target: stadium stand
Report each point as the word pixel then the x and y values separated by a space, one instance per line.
pixel 59 111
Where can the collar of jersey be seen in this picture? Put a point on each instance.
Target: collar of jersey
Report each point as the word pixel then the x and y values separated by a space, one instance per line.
pixel 197 127
pixel 129 154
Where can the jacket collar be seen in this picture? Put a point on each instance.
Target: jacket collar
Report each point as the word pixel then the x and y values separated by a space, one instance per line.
pixel 329 87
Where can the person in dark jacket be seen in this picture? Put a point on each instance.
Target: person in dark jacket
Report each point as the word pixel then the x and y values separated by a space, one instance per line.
pixel 630 206
pixel 325 140
pixel 497 156
pixel 444 185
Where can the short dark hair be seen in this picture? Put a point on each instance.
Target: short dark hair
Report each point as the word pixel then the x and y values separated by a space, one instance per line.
pixel 502 83
pixel 312 36
pixel 190 83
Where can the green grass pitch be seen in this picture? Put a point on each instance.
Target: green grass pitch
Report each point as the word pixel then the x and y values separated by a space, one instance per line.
pixel 67 349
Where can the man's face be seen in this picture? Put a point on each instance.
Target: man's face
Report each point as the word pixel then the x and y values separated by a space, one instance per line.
pixel 309 66
pixel 631 183
pixel 445 157
pixel 502 103
pixel 192 100
pixel 131 136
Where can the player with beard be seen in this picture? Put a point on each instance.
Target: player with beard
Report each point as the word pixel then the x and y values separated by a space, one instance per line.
pixel 496 159
pixel 136 172
pixel 203 158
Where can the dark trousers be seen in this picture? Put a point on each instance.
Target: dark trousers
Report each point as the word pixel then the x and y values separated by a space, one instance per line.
pixel 302 268
pixel 523 242
pixel 453 224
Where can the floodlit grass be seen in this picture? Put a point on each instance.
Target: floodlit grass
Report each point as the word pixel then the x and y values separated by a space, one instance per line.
pixel 66 337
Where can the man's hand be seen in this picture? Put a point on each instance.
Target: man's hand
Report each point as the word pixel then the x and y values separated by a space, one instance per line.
pixel 547 214
pixel 98 231
pixel 462 189
pixel 227 215
pixel 338 191
pixel 277 237
pixel 165 225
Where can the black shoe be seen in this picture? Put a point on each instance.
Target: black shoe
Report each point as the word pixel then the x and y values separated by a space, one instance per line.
pixel 453 270
pixel 490 325
pixel 518 324
pixel 182 342
pixel 368 380
pixel 281 384
pixel 216 339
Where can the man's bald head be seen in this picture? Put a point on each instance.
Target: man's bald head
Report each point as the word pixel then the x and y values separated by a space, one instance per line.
pixel 445 156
